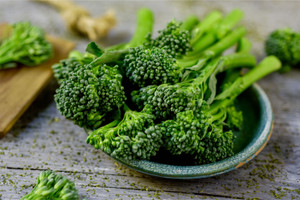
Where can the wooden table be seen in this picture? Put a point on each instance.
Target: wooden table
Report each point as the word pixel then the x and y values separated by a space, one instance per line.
pixel 43 139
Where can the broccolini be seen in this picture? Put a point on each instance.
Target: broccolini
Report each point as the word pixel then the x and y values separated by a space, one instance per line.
pixel 52 186
pixel 25 44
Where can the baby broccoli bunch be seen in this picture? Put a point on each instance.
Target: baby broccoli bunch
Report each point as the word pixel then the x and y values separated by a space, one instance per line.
pixel 175 92
pixel 25 44
pixel 52 186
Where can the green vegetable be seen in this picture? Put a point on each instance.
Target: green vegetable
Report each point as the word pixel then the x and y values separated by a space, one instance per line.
pixel 284 44
pixel 52 186
pixel 180 89
pixel 128 138
pixel 155 66
pixel 26 44
pixel 73 63
pixel 90 93
pixel 169 99
pixel 174 39
pixel 202 132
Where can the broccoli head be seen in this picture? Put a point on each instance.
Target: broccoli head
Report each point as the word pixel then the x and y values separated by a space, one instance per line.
pixel 73 63
pixel 129 138
pixel 153 66
pixel 174 39
pixel 88 94
pixel 52 186
pixel 26 44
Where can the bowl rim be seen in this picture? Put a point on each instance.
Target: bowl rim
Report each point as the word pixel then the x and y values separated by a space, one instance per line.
pixel 220 167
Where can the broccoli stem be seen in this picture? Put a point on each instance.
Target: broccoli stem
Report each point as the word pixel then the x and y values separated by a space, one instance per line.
pixel 220 30
pixel 265 67
pixel 244 46
pixel 144 26
pixel 205 25
pixel 189 23
pixel 213 51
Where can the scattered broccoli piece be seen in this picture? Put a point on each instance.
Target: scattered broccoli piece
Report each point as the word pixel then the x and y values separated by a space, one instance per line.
pixel 89 93
pixel 26 44
pixel 128 138
pixel 73 63
pixel 284 44
pixel 52 186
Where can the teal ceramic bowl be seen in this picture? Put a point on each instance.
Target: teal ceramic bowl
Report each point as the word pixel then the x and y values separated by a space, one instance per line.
pixel 256 131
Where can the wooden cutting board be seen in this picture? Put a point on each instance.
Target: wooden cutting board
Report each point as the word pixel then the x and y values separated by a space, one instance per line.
pixel 20 86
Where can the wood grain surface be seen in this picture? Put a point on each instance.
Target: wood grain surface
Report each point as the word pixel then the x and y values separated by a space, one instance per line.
pixel 20 86
pixel 43 139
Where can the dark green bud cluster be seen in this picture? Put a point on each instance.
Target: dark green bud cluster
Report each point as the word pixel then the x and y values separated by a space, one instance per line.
pixel 131 138
pixel 168 100
pixel 66 67
pixel 183 134
pixel 52 186
pixel 216 145
pixel 89 94
pixel 153 66
pixel 173 39
pixel 284 44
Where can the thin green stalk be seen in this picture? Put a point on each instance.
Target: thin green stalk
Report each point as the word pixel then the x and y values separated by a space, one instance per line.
pixel 189 23
pixel 144 26
pixel 265 67
pixel 205 25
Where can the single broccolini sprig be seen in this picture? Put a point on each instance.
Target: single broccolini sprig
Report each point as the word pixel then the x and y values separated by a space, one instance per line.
pixel 169 99
pixel 128 138
pixel 52 186
pixel 90 93
pixel 26 44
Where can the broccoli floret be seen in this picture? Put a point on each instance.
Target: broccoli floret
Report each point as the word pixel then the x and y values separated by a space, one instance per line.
pixel 129 138
pixel 169 99
pixel 153 66
pixel 182 134
pixel 52 186
pixel 26 44
pixel 172 38
pixel 89 94
pixel 284 44
pixel 73 63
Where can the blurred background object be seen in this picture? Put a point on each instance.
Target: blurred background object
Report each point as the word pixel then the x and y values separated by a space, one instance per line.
pixel 79 20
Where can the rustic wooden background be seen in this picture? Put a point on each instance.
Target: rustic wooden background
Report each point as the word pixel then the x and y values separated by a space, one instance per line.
pixel 43 139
